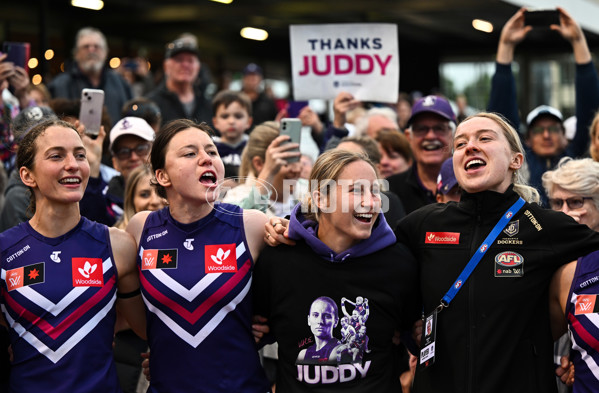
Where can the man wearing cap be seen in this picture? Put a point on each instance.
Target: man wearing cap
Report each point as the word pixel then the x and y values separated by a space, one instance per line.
pixel 130 144
pixel 429 133
pixel 545 141
pixel 90 71
pixel 263 107
pixel 179 96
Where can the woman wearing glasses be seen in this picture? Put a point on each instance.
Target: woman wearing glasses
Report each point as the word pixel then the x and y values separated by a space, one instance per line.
pixel 573 188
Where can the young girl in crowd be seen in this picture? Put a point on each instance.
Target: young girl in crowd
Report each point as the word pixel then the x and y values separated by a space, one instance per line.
pixel 62 273
pixel 396 153
pixel 268 182
pixel 196 260
pixel 346 259
pixel 139 195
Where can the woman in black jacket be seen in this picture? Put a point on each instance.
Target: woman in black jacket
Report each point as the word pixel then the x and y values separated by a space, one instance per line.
pixel 494 336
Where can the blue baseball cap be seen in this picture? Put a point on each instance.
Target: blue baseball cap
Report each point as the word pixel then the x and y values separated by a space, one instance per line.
pixel 446 179
pixel 433 104
pixel 252 68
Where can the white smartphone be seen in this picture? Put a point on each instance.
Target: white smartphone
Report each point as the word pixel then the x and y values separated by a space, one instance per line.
pixel 90 113
pixel 293 128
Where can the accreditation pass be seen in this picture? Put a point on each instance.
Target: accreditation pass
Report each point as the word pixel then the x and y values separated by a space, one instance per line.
pixel 427 351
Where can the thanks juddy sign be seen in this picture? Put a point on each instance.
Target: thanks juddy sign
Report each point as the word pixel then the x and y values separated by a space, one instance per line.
pixel 361 58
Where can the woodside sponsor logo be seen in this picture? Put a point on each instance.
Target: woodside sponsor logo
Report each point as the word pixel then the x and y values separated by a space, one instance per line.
pixel 442 238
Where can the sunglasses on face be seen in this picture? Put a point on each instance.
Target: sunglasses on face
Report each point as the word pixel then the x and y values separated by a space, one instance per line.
pixel 140 150
pixel 573 203
pixel 420 130
pixel 540 130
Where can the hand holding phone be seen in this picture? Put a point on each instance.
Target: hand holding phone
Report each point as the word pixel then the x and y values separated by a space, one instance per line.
pixel 90 113
pixel 17 53
pixel 293 128
pixel 541 17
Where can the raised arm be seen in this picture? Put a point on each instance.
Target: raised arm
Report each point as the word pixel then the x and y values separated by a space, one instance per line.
pixel 503 98
pixel 587 83
pixel 572 32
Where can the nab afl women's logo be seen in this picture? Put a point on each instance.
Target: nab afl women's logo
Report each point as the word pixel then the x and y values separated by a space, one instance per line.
pixel 509 259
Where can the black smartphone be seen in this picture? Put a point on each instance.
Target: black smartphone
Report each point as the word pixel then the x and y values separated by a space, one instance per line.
pixel 18 53
pixel 541 17
pixel 293 128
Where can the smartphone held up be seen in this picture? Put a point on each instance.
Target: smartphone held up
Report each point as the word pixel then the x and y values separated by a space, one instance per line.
pixel 541 17
pixel 293 128
pixel 90 113
pixel 17 53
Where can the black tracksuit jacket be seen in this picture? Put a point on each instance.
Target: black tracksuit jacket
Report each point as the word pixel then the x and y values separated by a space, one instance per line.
pixel 495 336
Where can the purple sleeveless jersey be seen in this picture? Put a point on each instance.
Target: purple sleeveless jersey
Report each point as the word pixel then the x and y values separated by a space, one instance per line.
pixel 582 311
pixel 58 298
pixel 196 286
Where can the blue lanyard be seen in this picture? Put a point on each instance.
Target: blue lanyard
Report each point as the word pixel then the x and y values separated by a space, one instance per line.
pixel 457 285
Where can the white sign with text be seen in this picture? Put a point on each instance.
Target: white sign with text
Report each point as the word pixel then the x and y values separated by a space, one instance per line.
pixel 360 58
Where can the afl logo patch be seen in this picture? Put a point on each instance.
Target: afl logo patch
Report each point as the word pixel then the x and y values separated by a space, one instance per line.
pixel 509 259
pixel 509 264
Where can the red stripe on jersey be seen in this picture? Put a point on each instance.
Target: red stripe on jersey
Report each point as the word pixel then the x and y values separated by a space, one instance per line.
pixel 193 317
pixel 45 326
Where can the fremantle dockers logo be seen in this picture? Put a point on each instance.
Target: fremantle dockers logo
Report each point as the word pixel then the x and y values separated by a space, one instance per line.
pixel 512 228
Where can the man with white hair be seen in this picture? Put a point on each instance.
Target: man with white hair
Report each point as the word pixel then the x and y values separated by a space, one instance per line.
pixel 375 120
pixel 89 70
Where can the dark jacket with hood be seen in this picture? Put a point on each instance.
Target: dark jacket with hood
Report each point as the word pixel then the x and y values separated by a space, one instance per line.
pixel 288 279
